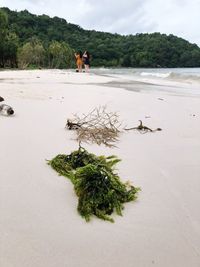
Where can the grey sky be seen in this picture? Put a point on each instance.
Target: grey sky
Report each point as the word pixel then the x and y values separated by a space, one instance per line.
pixel 179 17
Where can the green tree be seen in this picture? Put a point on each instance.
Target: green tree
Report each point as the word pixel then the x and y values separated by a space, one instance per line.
pixel 10 51
pixel 31 54
pixel 60 55
pixel 3 32
pixel 3 24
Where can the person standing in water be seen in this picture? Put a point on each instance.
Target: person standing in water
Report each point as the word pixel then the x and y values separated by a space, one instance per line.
pixel 79 61
pixel 86 60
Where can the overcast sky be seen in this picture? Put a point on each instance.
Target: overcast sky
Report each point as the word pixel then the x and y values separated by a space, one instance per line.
pixel 179 17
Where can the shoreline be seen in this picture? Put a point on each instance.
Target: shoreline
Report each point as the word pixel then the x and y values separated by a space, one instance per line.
pixel 39 223
pixel 132 84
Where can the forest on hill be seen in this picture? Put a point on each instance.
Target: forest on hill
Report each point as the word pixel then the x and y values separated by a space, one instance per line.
pixel 28 40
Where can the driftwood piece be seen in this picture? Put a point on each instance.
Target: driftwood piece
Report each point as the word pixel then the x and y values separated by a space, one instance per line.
pixel 98 126
pixel 6 110
pixel 142 128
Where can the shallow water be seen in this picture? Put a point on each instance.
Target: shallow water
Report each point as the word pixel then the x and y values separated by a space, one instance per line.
pixel 176 81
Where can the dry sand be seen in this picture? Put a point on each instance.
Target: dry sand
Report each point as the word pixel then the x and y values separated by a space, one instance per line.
pixel 39 223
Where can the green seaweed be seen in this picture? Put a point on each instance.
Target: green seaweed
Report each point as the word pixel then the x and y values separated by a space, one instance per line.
pixel 99 189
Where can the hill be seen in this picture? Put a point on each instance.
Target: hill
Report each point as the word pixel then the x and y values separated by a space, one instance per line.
pixel 26 31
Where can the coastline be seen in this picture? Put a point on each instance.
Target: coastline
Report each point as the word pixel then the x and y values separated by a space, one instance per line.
pixel 39 224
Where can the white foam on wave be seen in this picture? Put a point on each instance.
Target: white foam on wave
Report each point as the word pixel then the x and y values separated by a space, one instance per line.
pixel 156 74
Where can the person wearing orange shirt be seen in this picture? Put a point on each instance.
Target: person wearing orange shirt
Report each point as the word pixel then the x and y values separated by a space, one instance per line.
pixel 79 61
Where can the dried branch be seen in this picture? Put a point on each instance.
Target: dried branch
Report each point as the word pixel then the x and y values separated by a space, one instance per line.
pixel 142 129
pixel 98 126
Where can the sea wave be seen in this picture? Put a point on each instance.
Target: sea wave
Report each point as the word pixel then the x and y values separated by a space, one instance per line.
pixel 172 75
pixel 177 81
pixel 187 75
pixel 156 74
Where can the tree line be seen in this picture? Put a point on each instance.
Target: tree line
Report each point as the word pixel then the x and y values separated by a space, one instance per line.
pixel 31 41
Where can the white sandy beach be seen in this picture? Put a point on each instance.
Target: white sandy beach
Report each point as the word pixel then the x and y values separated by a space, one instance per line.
pixel 39 223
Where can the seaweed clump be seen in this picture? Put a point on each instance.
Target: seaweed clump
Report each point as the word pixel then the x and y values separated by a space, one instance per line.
pixel 99 189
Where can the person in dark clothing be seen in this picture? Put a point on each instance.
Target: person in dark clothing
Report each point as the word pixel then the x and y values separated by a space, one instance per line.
pixel 86 60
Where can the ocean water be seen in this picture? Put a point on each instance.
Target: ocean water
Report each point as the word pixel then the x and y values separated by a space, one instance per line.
pixel 176 81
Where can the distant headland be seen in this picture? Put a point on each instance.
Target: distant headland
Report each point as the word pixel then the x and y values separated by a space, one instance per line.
pixel 39 41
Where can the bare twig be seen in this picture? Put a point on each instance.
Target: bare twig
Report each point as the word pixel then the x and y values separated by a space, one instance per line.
pixel 142 129
pixel 98 126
